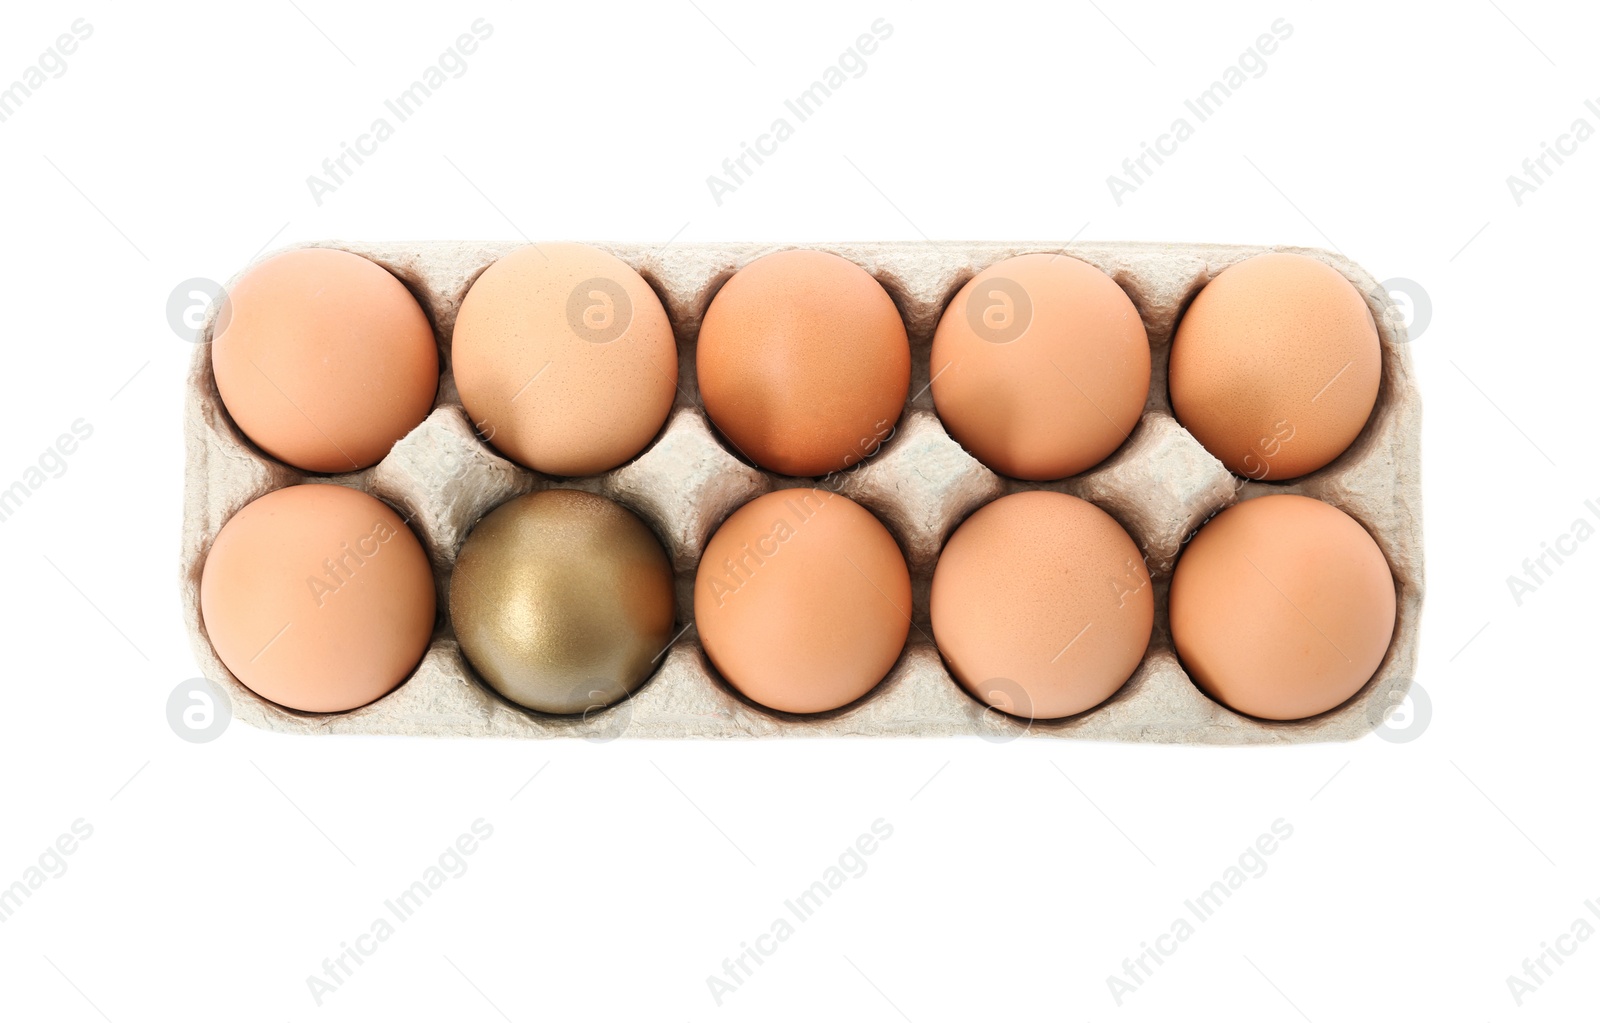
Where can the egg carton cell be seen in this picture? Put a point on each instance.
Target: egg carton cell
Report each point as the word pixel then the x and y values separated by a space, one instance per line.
pixel 1160 485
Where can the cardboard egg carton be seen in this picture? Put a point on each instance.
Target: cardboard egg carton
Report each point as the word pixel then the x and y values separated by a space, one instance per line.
pixel 1161 485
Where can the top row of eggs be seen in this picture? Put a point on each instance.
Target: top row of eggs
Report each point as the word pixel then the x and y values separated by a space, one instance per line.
pixel 565 359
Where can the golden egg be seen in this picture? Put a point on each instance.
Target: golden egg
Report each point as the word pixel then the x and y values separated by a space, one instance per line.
pixel 562 601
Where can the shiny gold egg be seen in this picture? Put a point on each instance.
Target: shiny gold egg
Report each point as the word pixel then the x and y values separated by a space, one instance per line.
pixel 562 601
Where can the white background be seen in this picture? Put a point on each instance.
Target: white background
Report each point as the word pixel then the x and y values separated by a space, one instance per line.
pixel 1019 875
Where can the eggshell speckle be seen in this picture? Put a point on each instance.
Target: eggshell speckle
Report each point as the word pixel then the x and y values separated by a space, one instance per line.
pixel 803 600
pixel 1282 607
pixel 1275 366
pixel 803 362
pixel 565 359
pixel 1041 605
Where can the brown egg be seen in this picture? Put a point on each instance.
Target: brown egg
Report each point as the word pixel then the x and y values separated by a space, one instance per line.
pixel 324 359
pixel 803 362
pixel 565 359
pixel 1040 366
pixel 318 597
pixel 1275 366
pixel 1282 607
pixel 803 600
pixel 1041 605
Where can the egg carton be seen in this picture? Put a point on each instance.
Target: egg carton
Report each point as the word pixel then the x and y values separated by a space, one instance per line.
pixel 1161 485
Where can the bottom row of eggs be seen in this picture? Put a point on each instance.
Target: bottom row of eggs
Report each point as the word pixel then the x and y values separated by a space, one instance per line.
pixel 320 598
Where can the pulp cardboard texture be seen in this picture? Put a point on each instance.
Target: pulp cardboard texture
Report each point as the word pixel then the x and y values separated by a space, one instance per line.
pixel 1161 485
